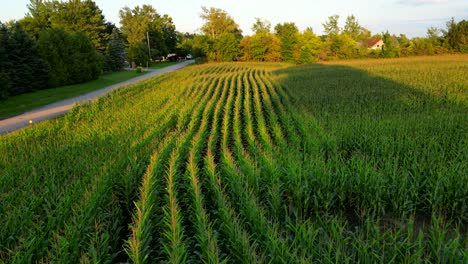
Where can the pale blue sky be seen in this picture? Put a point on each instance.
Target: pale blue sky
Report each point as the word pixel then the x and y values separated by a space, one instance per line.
pixel 411 17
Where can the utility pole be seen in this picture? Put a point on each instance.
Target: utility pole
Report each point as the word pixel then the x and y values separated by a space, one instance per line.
pixel 149 49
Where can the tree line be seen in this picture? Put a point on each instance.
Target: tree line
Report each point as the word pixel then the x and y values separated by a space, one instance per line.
pixel 67 42
pixel 61 43
pixel 222 40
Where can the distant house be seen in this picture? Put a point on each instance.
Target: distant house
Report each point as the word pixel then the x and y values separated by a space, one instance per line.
pixel 375 43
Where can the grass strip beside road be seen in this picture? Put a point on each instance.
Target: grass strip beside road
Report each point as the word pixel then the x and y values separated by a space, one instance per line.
pixel 25 102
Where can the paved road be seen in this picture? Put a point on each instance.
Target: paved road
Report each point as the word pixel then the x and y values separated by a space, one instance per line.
pixel 61 107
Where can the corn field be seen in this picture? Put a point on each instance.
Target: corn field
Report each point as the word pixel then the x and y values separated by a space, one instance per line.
pixel 249 163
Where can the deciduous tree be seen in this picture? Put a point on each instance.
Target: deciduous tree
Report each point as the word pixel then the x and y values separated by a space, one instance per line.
pixel 457 35
pixel 218 22
pixel 308 48
pixel 261 26
pixel 288 34
pixel 331 27
pixel 223 35
pixel 352 28
pixel 70 57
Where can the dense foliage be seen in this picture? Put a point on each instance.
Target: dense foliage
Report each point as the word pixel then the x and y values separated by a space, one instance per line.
pixel 70 56
pixel 72 16
pixel 115 53
pixel 149 35
pixel 289 45
pixel 249 163
pixel 21 67
pixel 57 43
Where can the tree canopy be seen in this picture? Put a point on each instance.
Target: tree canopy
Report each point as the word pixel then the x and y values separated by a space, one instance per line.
pixel 72 16
pixel 143 24
pixel 21 67
pixel 218 22
pixel 288 34
pixel 331 26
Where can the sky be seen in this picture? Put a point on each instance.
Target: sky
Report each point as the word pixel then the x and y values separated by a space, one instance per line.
pixel 410 17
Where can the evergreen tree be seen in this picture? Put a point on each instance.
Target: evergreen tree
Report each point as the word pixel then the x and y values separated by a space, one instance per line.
pixel 261 26
pixel 38 17
pixel 5 83
pixel 28 70
pixel 21 63
pixel 115 53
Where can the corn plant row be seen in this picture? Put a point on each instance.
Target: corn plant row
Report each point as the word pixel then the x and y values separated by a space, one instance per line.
pixel 245 163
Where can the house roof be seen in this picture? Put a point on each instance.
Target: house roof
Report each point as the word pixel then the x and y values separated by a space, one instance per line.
pixel 371 42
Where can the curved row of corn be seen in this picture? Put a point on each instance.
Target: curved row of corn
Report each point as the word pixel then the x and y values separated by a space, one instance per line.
pixel 213 164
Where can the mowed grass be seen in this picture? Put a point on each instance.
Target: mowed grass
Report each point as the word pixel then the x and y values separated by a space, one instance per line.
pixel 248 163
pixel 22 103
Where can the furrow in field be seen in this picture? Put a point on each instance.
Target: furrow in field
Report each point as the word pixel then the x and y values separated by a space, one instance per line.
pixel 272 113
pixel 140 244
pixel 174 242
pixel 234 240
pixel 186 143
pixel 205 240
pixel 282 111
pixel 259 116
pixel 52 230
pixel 177 214
pixel 121 190
pixel 247 204
pixel 149 220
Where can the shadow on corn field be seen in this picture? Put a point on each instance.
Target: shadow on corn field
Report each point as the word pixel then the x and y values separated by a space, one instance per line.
pixel 391 150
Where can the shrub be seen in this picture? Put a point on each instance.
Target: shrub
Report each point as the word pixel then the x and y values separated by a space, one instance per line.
pixel 138 69
pixel 71 58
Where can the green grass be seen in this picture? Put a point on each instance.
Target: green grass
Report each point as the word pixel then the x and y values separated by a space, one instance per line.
pixel 22 103
pixel 361 161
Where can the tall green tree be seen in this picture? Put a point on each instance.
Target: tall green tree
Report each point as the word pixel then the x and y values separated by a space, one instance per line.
pixel 136 22
pixel 115 52
pixel 308 48
pixel 457 35
pixel 27 71
pixel 288 34
pixel 72 16
pixel 222 33
pixel 352 28
pixel 82 16
pixel 261 26
pixel 341 46
pixel 265 47
pixel 143 24
pixel 22 69
pixel 218 22
pixel 71 57
pixel 227 47
pixel 5 65
pixel 331 27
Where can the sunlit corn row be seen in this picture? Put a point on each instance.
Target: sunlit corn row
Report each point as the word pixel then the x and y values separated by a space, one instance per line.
pixel 237 163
